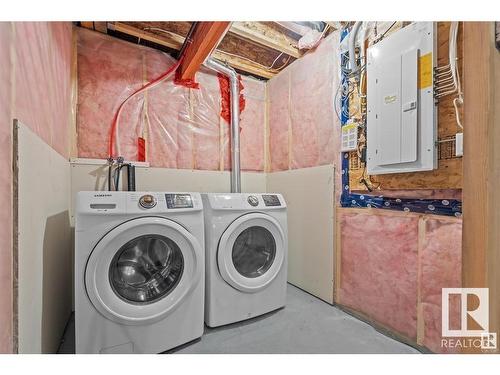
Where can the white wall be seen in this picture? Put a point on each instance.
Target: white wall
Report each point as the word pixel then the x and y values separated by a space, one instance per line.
pixel 310 197
pixel 94 177
pixel 44 243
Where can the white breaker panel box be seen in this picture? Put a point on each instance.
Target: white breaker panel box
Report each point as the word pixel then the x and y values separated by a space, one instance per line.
pixel 402 114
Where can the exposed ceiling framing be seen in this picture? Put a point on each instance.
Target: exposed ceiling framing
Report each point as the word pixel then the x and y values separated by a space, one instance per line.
pixel 267 36
pixel 204 39
pixel 260 49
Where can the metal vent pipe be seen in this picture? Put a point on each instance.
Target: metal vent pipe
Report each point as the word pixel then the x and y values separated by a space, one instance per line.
pixel 235 120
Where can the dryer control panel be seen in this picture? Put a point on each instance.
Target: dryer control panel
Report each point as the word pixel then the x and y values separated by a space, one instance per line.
pixel 271 200
pixel 179 200
pixel 244 201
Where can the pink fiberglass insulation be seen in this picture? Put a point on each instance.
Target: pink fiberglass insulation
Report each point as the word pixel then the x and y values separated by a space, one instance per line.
pixel 379 268
pixel 108 72
pixel 440 267
pixel 5 189
pixel 175 101
pixel 312 83
pixel 181 126
pixel 252 125
pixel 206 122
pixel 279 120
pixel 302 118
pixel 43 75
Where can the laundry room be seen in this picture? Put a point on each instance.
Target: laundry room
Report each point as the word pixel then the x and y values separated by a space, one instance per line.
pixel 249 187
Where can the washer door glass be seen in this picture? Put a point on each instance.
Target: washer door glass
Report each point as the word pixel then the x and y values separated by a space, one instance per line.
pixel 146 269
pixel 254 251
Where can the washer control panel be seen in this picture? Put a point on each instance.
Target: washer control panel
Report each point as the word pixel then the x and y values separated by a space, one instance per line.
pixel 147 201
pixel 253 200
pixel 271 200
pixel 179 200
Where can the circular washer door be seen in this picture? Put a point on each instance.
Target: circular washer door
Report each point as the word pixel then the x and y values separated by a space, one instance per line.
pixel 141 270
pixel 251 252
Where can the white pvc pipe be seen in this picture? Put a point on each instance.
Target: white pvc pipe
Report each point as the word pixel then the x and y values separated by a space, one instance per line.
pixel 235 120
pixel 352 46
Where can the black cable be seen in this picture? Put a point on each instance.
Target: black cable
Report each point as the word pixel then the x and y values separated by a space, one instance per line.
pixel 386 31
pixel 117 178
pixel 119 165
pixel 110 166
pixel 130 177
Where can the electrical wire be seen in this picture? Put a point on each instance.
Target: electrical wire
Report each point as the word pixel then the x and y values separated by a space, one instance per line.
pixel 114 138
pixel 110 167
pixel 447 77
pixel 276 59
pixel 385 32
pixel 268 68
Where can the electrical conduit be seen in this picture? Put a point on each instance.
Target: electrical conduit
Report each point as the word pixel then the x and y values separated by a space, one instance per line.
pixel 352 47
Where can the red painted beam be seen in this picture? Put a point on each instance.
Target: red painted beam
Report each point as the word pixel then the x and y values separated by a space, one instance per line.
pixel 203 40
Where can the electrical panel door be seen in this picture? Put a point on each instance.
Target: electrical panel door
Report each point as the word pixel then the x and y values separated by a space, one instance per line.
pixel 401 121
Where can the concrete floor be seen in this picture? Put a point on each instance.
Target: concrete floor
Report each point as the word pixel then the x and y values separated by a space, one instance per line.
pixel 305 325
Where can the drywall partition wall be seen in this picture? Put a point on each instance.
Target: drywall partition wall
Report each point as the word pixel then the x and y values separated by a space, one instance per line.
pixel 42 178
pixel 182 126
pixel 94 177
pixel 34 86
pixel 6 295
pixel 309 194
pixel 391 267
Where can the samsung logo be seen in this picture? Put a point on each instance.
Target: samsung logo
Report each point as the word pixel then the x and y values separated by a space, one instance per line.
pixel 102 195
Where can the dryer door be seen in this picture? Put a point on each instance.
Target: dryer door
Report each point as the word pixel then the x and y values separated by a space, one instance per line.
pixel 141 270
pixel 251 252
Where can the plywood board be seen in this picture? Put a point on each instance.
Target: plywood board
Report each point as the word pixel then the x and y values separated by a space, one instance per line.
pixel 309 194
pixel 44 243
pixel 448 175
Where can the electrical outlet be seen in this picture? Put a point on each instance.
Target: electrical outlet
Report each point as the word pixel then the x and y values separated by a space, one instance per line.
pixel 459 144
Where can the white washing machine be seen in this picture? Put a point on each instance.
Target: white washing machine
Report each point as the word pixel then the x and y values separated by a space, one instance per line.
pixel 139 271
pixel 246 256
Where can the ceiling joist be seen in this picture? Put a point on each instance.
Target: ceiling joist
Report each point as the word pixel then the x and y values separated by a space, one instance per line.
pixel 175 42
pixel 167 39
pixel 267 36
pixel 249 47
pixel 204 39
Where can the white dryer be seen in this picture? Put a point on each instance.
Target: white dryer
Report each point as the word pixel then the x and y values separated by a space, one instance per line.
pixel 139 271
pixel 246 256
